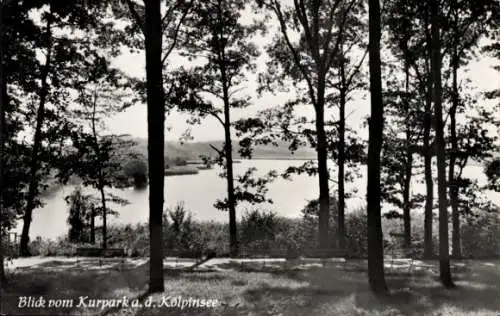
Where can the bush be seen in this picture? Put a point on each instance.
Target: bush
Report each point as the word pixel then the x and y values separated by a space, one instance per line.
pixel 79 209
pixel 179 231
pixel 310 222
pixel 264 230
pixel 356 231
pixel 60 247
pixel 481 236
pixel 135 240
pixel 258 229
pixel 137 169
pixel 9 248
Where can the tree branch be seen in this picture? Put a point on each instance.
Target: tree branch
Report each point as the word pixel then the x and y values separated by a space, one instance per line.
pixel 220 152
pixel 135 15
pixel 302 16
pixel 295 54
pixel 176 33
pixel 356 69
pixel 330 24
pixel 216 116
pixel 329 59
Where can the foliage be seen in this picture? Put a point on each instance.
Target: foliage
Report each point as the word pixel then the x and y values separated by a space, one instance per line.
pixel 251 188
pixel 258 229
pixel 78 213
pixel 481 235
pixel 179 228
pixel 138 170
pixel 492 171
pixel 60 247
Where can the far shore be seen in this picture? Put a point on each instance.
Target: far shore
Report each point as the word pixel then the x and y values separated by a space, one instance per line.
pixel 282 158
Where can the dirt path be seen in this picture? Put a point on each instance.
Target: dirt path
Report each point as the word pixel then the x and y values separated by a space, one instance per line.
pixel 61 263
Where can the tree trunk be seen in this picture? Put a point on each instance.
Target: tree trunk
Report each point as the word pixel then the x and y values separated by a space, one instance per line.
pixel 321 148
pixel 104 222
pixel 92 226
pixel 156 141
pixel 444 256
pixel 100 175
pixel 341 173
pixel 453 188
pixel 375 239
pixel 429 182
pixel 428 153
pixel 37 143
pixel 408 165
pixel 228 151
pixel 2 140
pixel 341 145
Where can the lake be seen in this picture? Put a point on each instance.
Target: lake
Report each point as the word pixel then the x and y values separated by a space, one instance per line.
pixel 200 191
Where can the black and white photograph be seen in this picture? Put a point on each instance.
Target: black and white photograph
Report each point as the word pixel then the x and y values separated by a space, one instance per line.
pixel 250 157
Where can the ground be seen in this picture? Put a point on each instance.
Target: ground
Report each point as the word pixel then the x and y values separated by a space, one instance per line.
pixel 256 288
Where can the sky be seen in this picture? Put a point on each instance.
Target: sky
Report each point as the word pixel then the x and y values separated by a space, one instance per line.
pixel 134 120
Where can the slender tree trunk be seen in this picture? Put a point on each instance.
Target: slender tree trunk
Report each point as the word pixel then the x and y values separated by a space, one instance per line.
pixel 376 276
pixel 322 145
pixel 428 152
pixel 321 148
pixel 408 165
pixel 228 148
pixel 156 141
pixel 429 182
pixel 453 188
pixel 2 140
pixel 37 143
pixel 444 256
pixel 406 199
pixel 341 172
pixel 100 174
pixel 341 144
pixel 228 151
pixel 104 219
pixel 92 225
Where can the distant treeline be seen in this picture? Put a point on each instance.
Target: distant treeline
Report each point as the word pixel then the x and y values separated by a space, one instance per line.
pixel 193 150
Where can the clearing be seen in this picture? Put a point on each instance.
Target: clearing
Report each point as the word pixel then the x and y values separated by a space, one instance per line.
pixel 253 287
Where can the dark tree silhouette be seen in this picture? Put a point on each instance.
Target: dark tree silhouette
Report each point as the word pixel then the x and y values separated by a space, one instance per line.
pixel 156 139
pixel 376 124
pixel 3 4
pixel 37 138
pixel 444 256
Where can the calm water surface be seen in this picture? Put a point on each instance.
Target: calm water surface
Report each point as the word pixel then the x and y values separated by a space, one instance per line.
pixel 199 192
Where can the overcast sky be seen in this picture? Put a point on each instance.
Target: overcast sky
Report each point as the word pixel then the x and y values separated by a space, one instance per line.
pixel 133 121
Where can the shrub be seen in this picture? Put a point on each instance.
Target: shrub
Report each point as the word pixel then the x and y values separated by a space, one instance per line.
pixel 78 211
pixel 356 231
pixel 60 247
pixel 258 228
pixel 182 235
pixel 137 169
pixel 310 220
pixel 481 236
pixel 10 249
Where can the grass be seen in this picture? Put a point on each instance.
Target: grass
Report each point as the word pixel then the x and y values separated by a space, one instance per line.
pixel 339 289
